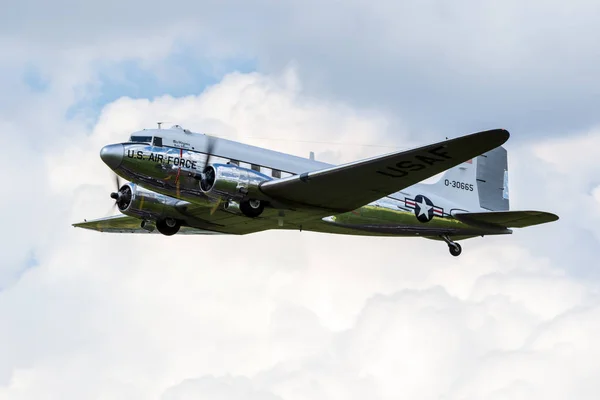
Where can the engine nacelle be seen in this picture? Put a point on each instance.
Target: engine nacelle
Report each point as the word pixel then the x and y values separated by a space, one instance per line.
pixel 239 187
pixel 230 182
pixel 135 201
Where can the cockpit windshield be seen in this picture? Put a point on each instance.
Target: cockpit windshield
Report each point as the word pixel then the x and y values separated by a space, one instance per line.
pixel 141 139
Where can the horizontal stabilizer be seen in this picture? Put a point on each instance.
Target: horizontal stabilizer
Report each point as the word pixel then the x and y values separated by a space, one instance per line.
pixel 507 219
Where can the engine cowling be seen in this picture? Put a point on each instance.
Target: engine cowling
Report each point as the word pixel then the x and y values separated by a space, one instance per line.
pixel 155 209
pixel 235 184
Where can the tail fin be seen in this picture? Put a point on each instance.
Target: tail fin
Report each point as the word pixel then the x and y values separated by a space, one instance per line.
pixel 492 180
pixel 478 183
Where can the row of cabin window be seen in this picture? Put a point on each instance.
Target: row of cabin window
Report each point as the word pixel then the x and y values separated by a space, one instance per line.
pixel 275 173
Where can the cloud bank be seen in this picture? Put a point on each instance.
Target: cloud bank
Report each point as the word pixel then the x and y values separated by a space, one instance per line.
pixel 309 316
pixel 290 315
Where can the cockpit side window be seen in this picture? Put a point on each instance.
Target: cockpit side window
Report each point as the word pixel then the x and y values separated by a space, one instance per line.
pixel 141 139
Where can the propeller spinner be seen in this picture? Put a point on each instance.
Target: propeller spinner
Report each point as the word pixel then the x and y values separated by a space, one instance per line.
pixel 122 196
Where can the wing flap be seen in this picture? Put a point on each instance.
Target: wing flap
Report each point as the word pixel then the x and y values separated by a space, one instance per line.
pixel 350 186
pixel 507 219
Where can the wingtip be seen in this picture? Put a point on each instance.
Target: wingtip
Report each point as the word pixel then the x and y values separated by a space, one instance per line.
pixel 503 134
pixel 493 137
pixel 549 217
pixel 80 224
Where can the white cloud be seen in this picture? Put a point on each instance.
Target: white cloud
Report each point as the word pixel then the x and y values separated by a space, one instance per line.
pixel 563 168
pixel 596 194
pixel 460 67
pixel 281 315
pixel 217 389
pixel 290 315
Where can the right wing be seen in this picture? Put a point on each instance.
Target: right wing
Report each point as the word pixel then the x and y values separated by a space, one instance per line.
pixel 350 186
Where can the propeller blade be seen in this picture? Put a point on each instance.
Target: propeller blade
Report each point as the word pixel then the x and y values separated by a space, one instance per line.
pixel 217 204
pixel 117 194
pixel 209 150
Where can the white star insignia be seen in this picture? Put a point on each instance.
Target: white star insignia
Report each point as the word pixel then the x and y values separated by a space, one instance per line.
pixel 424 208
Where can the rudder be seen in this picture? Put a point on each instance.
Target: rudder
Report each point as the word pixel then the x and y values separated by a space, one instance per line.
pixel 492 180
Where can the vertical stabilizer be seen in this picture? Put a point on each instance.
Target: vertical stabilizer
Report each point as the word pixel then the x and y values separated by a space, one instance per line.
pixel 478 183
pixel 492 180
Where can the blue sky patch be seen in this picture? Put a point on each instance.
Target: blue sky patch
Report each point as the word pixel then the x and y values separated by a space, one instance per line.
pixel 34 79
pixel 180 74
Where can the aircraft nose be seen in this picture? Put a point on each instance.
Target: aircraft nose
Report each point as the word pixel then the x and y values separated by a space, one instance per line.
pixel 112 155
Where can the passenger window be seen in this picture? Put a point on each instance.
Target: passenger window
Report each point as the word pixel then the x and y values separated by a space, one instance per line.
pixel 234 162
pixel 255 167
pixel 157 141
pixel 276 173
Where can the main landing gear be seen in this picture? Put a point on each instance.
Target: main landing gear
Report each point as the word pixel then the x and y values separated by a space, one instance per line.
pixel 454 247
pixel 168 226
pixel 252 208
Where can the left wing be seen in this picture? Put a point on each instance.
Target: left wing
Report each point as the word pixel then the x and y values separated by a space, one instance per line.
pixel 350 186
pixel 199 220
pixel 127 224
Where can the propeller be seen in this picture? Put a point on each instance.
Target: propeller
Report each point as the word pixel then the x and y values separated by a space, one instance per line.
pixel 115 195
pixel 210 147
pixel 216 206
pixel 206 174
pixel 122 196
pixel 202 176
pixel 118 183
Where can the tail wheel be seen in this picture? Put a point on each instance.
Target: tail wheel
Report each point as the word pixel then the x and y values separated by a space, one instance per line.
pixel 252 208
pixel 168 226
pixel 455 249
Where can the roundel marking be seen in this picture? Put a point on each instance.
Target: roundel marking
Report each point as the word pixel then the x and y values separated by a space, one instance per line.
pixel 423 208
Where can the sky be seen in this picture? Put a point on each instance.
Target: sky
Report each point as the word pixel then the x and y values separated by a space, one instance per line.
pixel 291 315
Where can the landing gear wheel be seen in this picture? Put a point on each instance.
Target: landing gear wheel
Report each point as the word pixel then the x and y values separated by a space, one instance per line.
pixel 455 249
pixel 168 226
pixel 252 208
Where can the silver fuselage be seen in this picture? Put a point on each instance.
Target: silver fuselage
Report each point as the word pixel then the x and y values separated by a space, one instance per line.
pixel 171 165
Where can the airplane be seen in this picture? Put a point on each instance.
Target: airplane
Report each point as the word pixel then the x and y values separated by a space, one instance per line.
pixel 182 182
